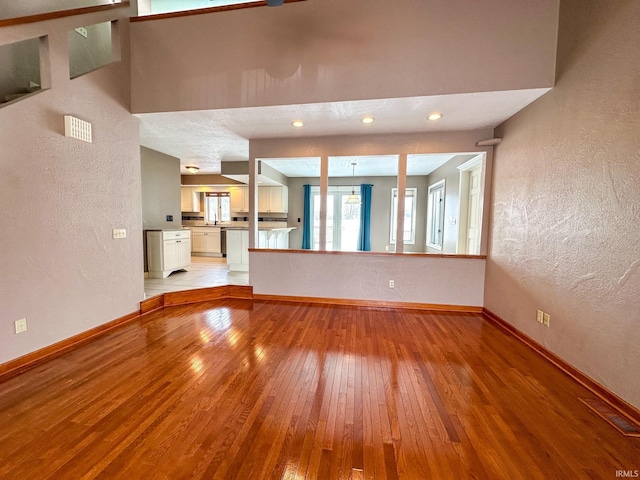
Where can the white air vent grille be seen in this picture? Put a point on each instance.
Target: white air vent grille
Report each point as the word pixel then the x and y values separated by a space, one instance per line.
pixel 76 128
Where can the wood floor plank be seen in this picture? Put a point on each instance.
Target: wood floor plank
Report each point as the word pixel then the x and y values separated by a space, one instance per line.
pixel 240 389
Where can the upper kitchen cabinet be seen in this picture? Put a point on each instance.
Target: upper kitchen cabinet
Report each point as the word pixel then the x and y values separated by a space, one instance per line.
pixel 190 200
pixel 273 199
pixel 239 199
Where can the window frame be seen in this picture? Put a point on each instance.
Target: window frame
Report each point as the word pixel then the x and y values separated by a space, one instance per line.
pixel 221 215
pixel 437 187
pixel 409 192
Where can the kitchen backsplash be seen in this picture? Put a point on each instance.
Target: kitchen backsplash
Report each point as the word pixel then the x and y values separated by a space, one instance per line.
pixel 195 220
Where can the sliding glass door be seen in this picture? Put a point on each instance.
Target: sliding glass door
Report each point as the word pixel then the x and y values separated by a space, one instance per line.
pixel 343 221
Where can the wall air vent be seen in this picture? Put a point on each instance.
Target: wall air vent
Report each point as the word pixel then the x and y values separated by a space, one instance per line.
pixel 624 425
pixel 76 128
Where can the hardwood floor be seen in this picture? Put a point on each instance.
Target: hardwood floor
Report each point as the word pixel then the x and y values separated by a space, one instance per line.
pixel 242 389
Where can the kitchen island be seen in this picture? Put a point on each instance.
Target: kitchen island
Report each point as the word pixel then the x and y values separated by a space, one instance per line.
pixel 238 244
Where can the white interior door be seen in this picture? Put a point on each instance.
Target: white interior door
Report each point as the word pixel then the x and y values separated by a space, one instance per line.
pixel 473 218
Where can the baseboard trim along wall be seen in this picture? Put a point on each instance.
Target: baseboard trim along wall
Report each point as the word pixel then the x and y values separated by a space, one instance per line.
pixel 370 303
pixel 33 359
pixel 194 296
pixel 615 402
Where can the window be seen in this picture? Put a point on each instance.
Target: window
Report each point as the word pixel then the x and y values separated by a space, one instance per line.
pixel 217 207
pixel 343 220
pixel 170 6
pixel 435 215
pixel 92 47
pixel 409 229
pixel 24 68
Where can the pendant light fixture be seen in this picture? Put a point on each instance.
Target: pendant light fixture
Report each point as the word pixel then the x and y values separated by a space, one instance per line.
pixel 353 198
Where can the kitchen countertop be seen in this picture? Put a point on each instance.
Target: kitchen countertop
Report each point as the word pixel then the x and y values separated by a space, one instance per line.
pixel 232 227
pixel 261 229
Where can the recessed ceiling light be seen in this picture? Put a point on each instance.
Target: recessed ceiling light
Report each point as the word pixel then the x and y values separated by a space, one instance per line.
pixel 367 120
pixel 192 169
pixel 435 116
pixel 297 123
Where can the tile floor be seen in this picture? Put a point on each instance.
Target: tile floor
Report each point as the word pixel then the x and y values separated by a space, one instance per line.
pixel 204 272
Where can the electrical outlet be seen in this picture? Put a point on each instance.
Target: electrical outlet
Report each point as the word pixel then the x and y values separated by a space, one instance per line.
pixel 119 233
pixel 392 284
pixel 540 316
pixel 21 325
pixel 546 319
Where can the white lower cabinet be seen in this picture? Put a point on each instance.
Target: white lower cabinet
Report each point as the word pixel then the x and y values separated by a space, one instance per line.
pixel 168 251
pixel 206 241
pixel 238 250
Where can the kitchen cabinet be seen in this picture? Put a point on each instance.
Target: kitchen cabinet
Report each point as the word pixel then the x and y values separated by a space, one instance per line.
pixel 189 199
pixel 273 199
pixel 168 251
pixel 238 250
pixel 206 241
pixel 239 199
pixel 270 199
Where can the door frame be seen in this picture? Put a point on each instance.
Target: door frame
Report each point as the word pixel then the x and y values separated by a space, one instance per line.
pixel 479 161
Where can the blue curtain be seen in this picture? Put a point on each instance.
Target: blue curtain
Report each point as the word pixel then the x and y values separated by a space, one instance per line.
pixel 306 219
pixel 364 240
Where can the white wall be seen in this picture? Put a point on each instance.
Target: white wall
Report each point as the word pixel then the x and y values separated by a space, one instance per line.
pixel 336 50
pixel 362 276
pixel 61 198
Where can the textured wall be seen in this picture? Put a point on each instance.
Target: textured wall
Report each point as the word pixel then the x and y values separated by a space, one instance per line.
pixel 61 198
pixel 566 201
pixel 334 50
pixel 160 189
pixel 423 279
